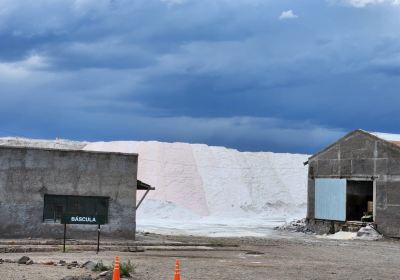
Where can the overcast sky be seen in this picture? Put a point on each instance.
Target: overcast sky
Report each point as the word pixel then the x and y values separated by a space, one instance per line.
pixel 255 75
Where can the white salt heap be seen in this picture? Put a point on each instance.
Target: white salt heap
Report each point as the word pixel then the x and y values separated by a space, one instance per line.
pixel 365 233
pixel 213 190
pixel 340 235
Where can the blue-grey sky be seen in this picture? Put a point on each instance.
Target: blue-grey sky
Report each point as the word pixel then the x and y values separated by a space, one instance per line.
pixel 255 75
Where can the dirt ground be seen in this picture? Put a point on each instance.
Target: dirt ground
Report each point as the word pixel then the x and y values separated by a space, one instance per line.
pixel 294 256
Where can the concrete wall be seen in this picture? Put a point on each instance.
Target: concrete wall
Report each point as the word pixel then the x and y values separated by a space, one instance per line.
pixel 26 174
pixel 361 156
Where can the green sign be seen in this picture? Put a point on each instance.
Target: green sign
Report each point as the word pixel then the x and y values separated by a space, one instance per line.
pixel 82 219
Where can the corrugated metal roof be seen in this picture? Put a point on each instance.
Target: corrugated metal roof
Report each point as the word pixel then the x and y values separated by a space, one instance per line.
pixel 387 136
pixel 393 138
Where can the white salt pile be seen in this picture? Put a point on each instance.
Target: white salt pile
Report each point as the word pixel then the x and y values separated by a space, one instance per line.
pixel 340 235
pixel 213 190
pixel 365 233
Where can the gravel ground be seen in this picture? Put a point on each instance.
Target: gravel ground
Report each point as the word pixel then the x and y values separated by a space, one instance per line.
pixel 295 256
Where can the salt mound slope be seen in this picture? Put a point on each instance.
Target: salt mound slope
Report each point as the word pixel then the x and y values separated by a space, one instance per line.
pixel 215 183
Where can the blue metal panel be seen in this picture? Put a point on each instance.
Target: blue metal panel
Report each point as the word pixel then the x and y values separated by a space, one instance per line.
pixel 330 199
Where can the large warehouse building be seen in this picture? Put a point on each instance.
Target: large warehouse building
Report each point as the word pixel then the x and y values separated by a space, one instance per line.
pixel 40 188
pixel 356 179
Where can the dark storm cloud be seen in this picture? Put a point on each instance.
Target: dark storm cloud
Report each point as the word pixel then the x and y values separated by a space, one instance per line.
pixel 233 73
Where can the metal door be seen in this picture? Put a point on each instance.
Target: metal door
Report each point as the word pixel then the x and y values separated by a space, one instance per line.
pixel 330 199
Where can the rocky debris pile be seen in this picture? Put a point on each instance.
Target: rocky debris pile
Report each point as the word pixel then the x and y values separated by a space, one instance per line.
pixel 89 265
pixel 73 264
pixel 295 226
pixel 127 269
pixel 368 233
pixel 8 261
pixel 25 260
pixel 105 272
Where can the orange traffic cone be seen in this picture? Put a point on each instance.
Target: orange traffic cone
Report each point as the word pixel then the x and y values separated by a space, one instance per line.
pixel 116 273
pixel 177 275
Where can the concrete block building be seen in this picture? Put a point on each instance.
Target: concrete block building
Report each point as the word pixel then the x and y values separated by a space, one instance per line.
pixel 39 185
pixel 356 176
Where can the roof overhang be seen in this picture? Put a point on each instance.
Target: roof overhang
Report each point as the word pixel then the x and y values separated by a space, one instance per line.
pixel 143 186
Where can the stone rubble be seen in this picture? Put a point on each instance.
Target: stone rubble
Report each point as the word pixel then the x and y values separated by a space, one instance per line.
pixel 368 233
pixel 25 260
pixel 295 226
pixel 89 265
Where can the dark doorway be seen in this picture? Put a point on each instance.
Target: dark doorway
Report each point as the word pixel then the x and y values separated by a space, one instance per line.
pixel 359 195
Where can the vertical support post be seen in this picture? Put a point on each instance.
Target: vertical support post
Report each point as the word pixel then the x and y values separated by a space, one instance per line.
pixel 98 238
pixel 141 200
pixel 65 234
pixel 374 200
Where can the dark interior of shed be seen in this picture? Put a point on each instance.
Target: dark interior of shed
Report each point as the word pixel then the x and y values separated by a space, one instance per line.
pixel 359 200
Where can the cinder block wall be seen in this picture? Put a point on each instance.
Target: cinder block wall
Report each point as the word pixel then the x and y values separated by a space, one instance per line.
pixel 27 174
pixel 360 155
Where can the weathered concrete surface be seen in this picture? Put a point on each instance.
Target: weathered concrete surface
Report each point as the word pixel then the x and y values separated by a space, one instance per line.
pixel 41 143
pixel 27 174
pixel 362 156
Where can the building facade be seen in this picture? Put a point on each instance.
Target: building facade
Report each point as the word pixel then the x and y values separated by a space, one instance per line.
pixel 356 177
pixel 39 186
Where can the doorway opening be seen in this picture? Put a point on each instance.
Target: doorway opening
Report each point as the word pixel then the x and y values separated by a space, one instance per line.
pixel 359 198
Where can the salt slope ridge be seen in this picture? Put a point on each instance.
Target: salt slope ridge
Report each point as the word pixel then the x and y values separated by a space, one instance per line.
pixel 199 185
